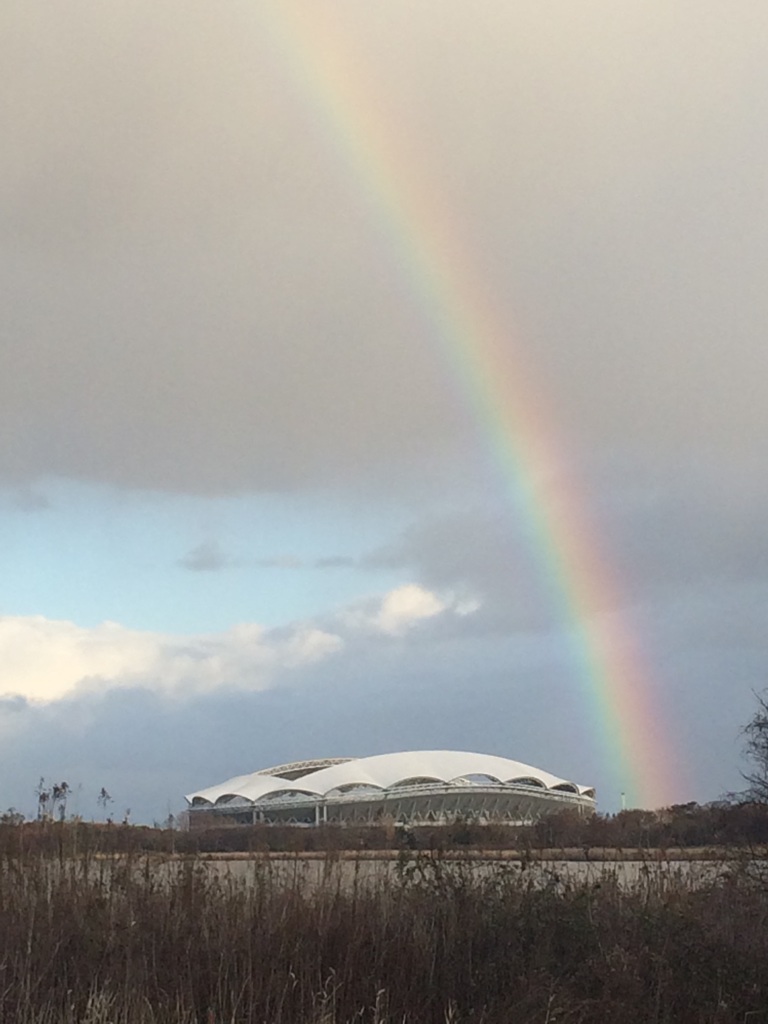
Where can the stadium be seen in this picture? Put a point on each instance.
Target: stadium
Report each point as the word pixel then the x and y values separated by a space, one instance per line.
pixel 409 788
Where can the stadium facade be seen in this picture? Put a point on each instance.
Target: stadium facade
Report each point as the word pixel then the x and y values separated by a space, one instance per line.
pixel 416 787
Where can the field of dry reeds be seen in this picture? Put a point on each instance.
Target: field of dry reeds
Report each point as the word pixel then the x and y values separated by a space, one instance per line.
pixel 89 938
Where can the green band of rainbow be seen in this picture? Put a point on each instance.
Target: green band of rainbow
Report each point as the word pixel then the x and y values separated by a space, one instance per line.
pixel 510 410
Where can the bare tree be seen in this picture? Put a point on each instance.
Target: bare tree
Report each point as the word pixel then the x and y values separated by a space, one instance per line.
pixel 43 800
pixel 756 749
pixel 103 800
pixel 59 793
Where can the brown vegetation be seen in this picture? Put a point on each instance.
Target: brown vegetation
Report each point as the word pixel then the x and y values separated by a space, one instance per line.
pixel 687 826
pixel 92 939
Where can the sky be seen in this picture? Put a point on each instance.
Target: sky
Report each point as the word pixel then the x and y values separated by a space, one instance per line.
pixel 361 366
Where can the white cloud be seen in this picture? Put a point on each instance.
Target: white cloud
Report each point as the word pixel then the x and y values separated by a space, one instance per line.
pixel 46 659
pixel 406 606
pixel 400 610
pixel 43 659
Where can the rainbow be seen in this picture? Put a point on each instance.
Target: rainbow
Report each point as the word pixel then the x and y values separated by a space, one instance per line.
pixel 507 404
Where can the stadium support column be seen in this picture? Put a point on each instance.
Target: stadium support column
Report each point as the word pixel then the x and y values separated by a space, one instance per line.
pixel 317 815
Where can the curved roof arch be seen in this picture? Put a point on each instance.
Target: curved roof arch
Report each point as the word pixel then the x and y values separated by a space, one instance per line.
pixel 385 771
pixel 527 780
pixel 298 769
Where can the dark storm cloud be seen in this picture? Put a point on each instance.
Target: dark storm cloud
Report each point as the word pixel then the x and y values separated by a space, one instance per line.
pixel 199 296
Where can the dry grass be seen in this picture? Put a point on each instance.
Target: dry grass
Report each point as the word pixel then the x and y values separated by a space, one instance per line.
pixel 135 940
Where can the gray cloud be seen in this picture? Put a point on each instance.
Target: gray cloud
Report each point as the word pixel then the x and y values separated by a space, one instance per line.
pixel 515 696
pixel 13 704
pixel 662 527
pixel 279 562
pixel 292 562
pixel 200 296
pixel 205 557
pixel 208 556
pixel 336 562
pixel 692 528
pixel 491 680
pixel 29 499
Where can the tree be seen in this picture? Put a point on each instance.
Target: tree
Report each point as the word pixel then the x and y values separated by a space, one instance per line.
pixel 52 800
pixel 59 794
pixel 43 800
pixel 756 750
pixel 102 800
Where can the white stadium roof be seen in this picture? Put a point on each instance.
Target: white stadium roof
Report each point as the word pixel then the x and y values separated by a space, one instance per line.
pixel 382 772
